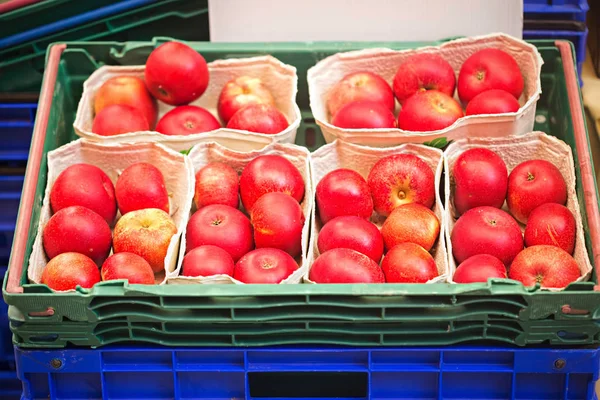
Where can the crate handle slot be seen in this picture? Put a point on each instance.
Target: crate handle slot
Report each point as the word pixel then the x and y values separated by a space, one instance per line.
pixel 322 385
pixel 15 270
pixel 581 143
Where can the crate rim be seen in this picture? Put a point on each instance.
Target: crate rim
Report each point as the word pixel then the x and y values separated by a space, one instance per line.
pixel 12 283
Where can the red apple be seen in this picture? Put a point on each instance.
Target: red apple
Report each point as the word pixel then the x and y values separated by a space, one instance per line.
pixel 408 263
pixel 364 115
pixel 264 266
pixel 421 72
pixel 361 85
pixel 551 224
pixel 489 69
pixel 117 119
pixel 259 118
pixel 127 266
pixel 128 91
pixel 531 184
pixel 343 192
pixel 354 233
pixel 207 260
pixel 147 233
pixel 187 120
pixel 345 266
pixel 278 220
pixel 176 74
pixel 479 268
pixel 221 226
pixel 69 270
pixel 77 229
pixel 270 173
pixel 216 183
pixel 87 186
pixel 430 110
pixel 240 92
pixel 550 266
pixel 480 179
pixel 486 230
pixel 494 101
pixel 140 186
pixel 401 179
pixel 411 223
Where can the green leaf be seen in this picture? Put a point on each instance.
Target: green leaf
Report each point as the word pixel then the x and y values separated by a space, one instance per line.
pixel 438 143
pixel 186 152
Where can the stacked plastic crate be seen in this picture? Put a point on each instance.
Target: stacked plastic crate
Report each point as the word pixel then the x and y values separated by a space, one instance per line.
pixel 222 335
pixel 558 19
pixel 28 27
pixel 217 323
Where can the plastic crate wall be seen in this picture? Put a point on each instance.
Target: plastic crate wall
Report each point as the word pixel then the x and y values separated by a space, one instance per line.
pixel 16 127
pixel 285 373
pixel 578 38
pixel 556 9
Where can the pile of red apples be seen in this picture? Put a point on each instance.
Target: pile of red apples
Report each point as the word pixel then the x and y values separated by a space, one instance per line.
pixel 401 189
pixel 257 242
pixel 81 233
pixel 487 242
pixel 489 82
pixel 177 75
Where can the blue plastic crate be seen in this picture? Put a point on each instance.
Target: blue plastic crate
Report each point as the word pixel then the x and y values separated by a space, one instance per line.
pixel 578 38
pixel 63 24
pixel 556 9
pixel 10 196
pixel 16 127
pixel 309 373
pixel 7 355
pixel 10 386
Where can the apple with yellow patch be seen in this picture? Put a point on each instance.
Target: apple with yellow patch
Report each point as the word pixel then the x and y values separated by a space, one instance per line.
pixel 401 179
pixel 240 92
pixel 147 233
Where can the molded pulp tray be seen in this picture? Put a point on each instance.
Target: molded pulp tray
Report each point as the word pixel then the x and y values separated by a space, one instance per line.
pixel 309 373
pixel 260 315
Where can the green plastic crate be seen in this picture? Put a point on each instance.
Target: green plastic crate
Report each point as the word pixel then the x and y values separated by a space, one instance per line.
pixel 22 66
pixel 241 315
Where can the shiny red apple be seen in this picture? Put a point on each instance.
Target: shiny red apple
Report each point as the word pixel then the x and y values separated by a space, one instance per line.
pixel 240 92
pixel 354 233
pixel 480 179
pixel 486 230
pixel 117 119
pixel 552 224
pixel 176 74
pixel 221 226
pixel 420 72
pixel 270 173
pixel 345 266
pixel 401 179
pixel 343 192
pixel 479 268
pixel 360 85
pixel 533 183
pixel 216 183
pixel 408 263
pixel 489 69
pixel 550 266
pixel 430 110
pixel 187 120
pixel 264 265
pixel 413 223
pixel 278 220
pixel 364 115
pixel 494 101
